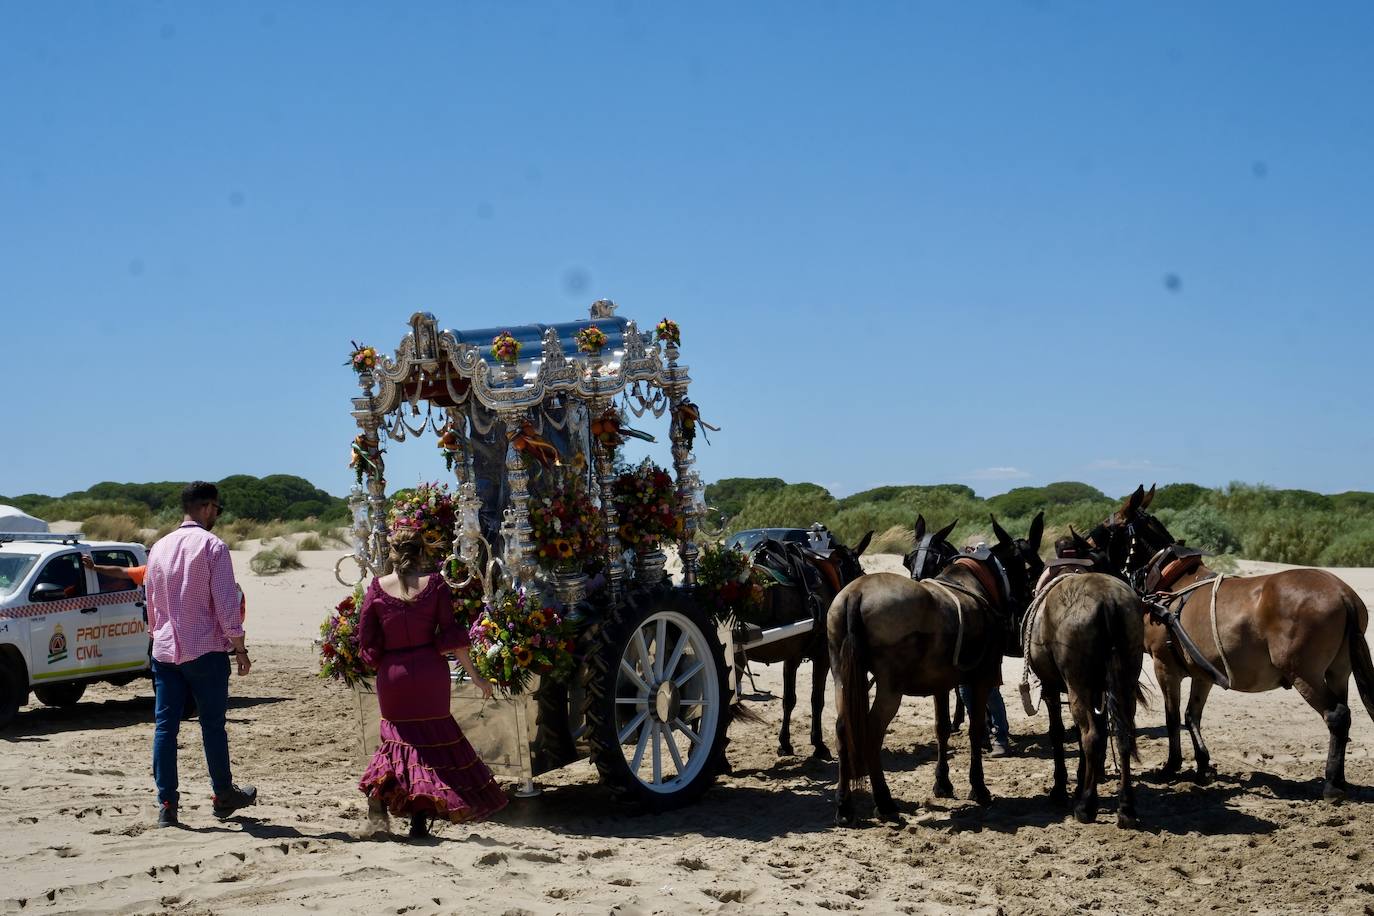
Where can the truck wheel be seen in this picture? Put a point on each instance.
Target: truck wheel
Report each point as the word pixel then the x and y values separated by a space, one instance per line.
pixel 14 689
pixel 62 695
pixel 658 701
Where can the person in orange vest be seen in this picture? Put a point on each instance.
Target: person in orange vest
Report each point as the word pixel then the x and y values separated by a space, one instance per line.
pixel 135 574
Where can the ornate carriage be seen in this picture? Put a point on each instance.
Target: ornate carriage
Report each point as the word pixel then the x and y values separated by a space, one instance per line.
pixel 649 701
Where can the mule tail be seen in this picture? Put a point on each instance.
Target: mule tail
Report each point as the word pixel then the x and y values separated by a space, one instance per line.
pixel 1118 650
pixel 1360 664
pixel 852 716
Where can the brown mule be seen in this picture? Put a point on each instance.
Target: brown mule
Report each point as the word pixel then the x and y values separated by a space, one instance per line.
pixel 1300 628
pixel 1083 634
pixel 788 604
pixel 923 639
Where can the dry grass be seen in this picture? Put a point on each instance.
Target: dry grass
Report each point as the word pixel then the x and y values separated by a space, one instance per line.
pixel 310 542
pixel 112 528
pixel 274 560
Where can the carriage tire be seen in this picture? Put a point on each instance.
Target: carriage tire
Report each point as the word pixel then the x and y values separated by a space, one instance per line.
pixel 63 696
pixel 14 689
pixel 640 729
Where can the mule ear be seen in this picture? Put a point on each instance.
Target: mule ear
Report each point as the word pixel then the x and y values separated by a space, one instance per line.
pixel 920 530
pixel 997 529
pixel 863 543
pixel 1079 542
pixel 1149 498
pixel 1037 531
pixel 943 533
pixel 1132 502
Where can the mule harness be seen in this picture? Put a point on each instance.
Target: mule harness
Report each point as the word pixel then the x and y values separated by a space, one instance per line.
pixel 1027 628
pixel 1215 582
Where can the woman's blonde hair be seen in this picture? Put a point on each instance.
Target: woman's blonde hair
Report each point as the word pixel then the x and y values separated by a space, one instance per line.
pixel 407 554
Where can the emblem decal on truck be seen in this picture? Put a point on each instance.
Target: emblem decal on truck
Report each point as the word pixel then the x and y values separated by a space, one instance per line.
pixel 57 646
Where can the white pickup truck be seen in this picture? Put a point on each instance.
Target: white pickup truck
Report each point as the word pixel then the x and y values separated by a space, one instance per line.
pixel 63 626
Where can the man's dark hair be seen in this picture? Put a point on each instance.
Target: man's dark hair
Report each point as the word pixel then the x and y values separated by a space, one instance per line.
pixel 197 493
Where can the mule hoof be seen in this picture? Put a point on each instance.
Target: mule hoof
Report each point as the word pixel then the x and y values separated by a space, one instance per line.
pixel 844 815
pixel 785 750
pixel 1126 820
pixel 1204 774
pixel 1333 793
pixel 1059 798
pixel 1169 772
pixel 981 797
pixel 822 753
pixel 891 815
pixel 944 789
pixel 1084 815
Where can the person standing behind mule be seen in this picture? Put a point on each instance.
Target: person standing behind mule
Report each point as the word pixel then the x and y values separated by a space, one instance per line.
pixel 193 604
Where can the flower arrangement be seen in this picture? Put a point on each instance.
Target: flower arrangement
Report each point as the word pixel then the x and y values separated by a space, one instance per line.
pixel 516 637
pixel 728 581
pixel 363 359
pixel 591 339
pixel 606 429
pixel 505 348
pixel 668 332
pixel 428 508
pixel 340 657
pixel 567 528
pixel 646 504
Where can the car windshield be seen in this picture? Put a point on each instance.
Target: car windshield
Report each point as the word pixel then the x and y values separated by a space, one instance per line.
pixel 13 569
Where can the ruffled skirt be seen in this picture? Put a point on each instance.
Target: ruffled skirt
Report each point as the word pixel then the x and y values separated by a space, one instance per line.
pixel 427 765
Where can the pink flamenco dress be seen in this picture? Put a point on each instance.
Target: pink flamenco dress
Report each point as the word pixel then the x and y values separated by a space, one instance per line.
pixel 424 765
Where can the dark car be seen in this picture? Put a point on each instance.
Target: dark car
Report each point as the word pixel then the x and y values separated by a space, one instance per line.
pixel 746 540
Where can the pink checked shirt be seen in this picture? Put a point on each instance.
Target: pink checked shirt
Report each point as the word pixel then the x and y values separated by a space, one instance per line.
pixel 193 600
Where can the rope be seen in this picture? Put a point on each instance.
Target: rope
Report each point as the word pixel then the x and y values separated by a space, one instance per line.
pixel 1216 636
pixel 959 613
pixel 1028 627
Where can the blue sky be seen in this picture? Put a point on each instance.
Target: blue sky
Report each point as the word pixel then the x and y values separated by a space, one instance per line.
pixel 997 244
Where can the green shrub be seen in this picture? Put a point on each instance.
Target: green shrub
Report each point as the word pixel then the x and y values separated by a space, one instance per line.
pixel 729 494
pixel 1201 526
pixel 794 506
pixel 310 542
pixel 1179 496
pixel 274 560
pixel 1355 547
pixel 79 508
pixel 1289 535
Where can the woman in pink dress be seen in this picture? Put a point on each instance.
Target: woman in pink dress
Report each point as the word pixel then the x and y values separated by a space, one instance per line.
pixel 424 766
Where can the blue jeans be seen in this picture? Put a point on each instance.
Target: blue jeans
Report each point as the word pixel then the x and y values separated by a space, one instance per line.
pixel 997 713
pixel 207 679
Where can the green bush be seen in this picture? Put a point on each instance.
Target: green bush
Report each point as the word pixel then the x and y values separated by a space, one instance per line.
pixel 1201 526
pixel 1179 496
pixel 793 506
pixel 729 494
pixel 1289 535
pixel 310 542
pixel 1354 547
pixel 274 560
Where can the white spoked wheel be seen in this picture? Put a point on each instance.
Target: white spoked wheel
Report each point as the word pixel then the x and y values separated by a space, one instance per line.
pixel 667 698
pixel 659 731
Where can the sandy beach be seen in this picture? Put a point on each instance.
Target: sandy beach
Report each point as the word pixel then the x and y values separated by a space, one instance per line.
pixel 77 808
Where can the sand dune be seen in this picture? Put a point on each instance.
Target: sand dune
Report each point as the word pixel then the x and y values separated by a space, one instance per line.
pixel 76 805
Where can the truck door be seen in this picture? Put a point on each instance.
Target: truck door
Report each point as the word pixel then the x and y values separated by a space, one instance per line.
pixel 122 639
pixel 61 585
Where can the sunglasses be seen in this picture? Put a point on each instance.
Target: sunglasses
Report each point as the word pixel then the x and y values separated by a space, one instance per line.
pixel 219 507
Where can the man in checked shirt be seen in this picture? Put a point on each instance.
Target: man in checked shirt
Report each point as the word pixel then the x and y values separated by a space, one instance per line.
pixel 193 604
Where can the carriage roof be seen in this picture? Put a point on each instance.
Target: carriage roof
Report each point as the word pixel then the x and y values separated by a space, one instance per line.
pixel 451 367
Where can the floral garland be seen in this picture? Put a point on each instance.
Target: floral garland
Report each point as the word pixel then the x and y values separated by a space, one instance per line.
pixel 646 504
pixel 450 446
pixel 363 359
pixel 668 332
pixel 362 457
pixel 591 339
pixel 505 348
pixel 340 654
pixel 567 528
pixel 729 582
pixel 428 508
pixel 517 637
pixel 467 600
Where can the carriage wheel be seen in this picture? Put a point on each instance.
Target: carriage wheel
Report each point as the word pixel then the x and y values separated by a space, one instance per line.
pixel 658 702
